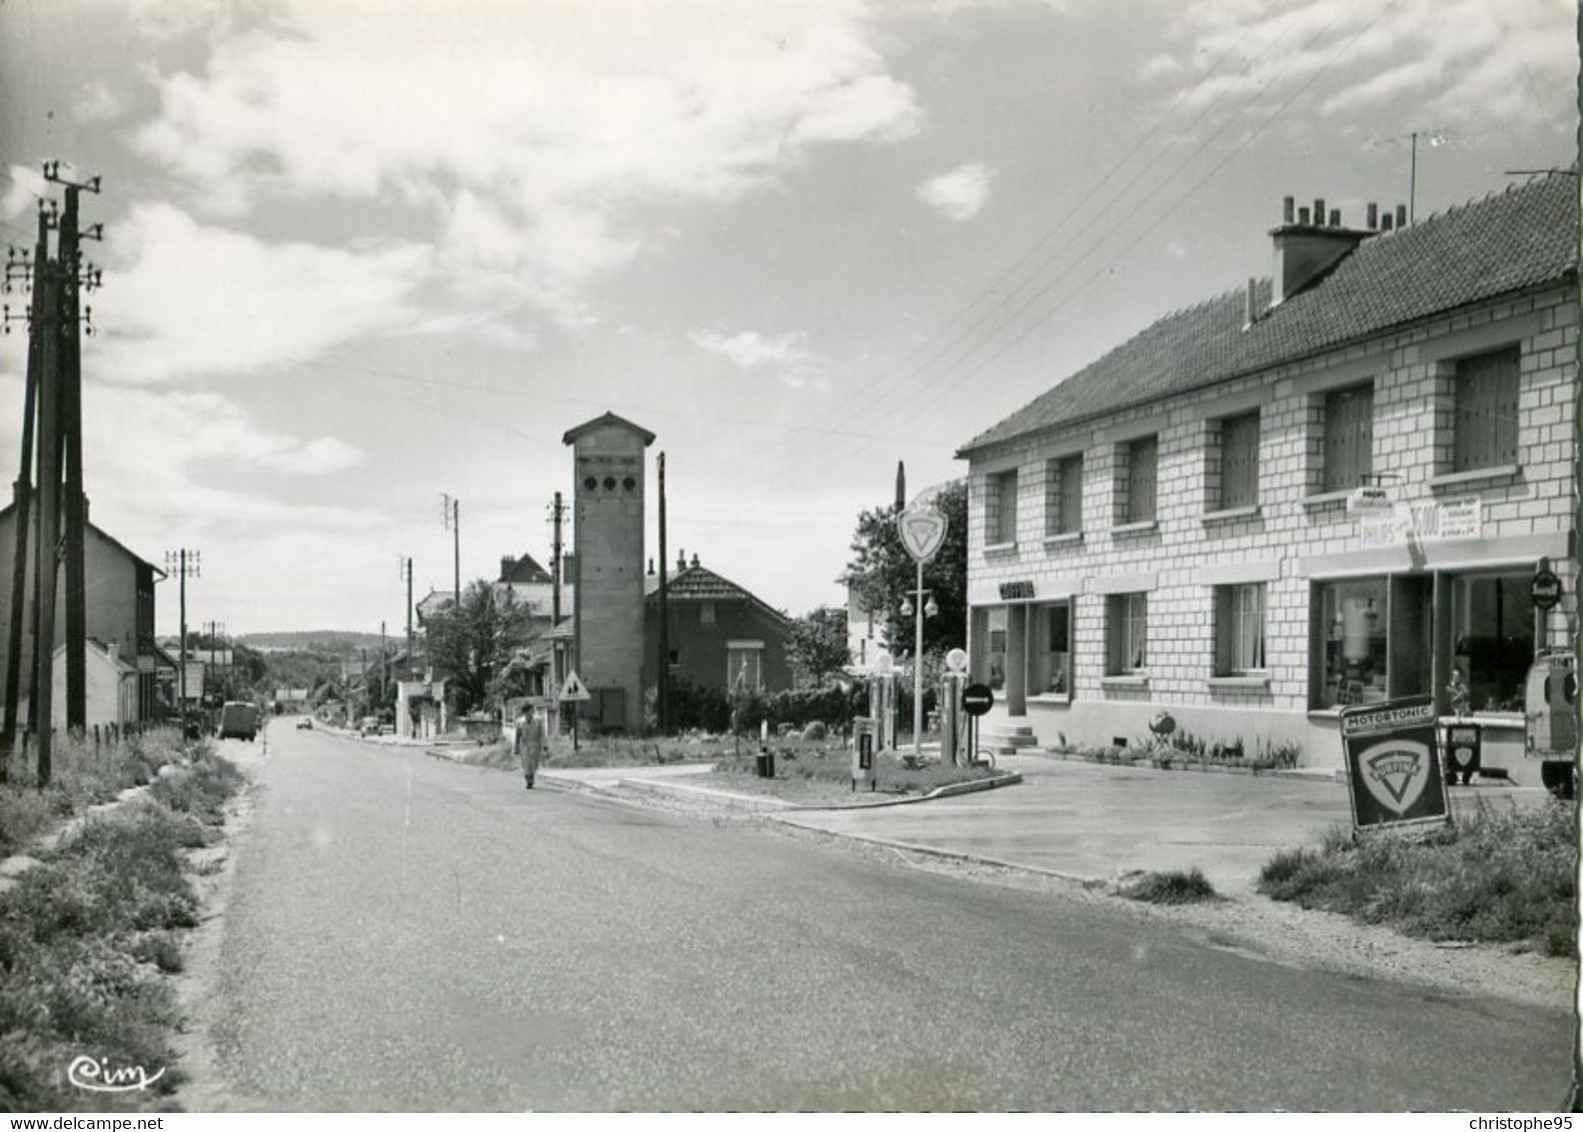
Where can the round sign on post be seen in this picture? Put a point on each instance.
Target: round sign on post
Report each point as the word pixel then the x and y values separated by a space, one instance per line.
pixel 1545 590
pixel 977 699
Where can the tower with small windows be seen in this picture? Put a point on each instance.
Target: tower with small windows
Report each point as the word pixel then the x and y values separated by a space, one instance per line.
pixel 607 530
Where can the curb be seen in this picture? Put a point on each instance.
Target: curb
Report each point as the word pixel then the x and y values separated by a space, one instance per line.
pixel 759 803
pixel 947 854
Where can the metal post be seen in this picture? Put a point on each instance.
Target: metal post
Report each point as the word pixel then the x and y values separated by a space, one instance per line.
pixel 917 668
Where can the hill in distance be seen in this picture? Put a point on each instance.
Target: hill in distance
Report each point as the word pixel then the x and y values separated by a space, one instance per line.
pixel 336 641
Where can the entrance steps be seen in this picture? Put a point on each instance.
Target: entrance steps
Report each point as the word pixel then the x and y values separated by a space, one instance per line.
pixel 1008 739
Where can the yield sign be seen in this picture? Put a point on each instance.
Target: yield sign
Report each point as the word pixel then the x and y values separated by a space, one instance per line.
pixel 573 690
pixel 922 530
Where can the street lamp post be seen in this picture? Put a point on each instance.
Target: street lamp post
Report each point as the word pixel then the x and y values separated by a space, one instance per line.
pixel 915 606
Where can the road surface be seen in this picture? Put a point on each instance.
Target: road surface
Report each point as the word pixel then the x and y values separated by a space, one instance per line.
pixel 407 933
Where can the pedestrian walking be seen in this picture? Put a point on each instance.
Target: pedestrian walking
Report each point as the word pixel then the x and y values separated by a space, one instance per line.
pixel 529 742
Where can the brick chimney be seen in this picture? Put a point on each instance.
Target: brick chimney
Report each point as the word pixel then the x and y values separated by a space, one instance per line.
pixel 506 563
pixel 1307 247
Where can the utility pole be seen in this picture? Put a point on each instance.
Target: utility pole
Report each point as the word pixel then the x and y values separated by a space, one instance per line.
pixel 406 574
pixel 384 665
pixel 21 268
pixel 663 685
pixel 47 322
pixel 451 516
pixel 557 513
pixel 74 274
pixel 214 629
pixel 183 563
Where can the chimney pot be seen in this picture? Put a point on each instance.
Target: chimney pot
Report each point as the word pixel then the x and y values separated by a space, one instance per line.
pixel 1335 218
pixel 695 558
pixel 1385 223
pixel 1319 212
pixel 1302 215
pixel 1374 216
pixel 1251 311
pixel 681 560
pixel 651 567
pixel 1401 216
pixel 1287 205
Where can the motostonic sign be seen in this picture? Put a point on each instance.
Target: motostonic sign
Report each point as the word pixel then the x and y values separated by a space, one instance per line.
pixel 1393 772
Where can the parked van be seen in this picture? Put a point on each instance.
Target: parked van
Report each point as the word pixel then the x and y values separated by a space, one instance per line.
pixel 239 720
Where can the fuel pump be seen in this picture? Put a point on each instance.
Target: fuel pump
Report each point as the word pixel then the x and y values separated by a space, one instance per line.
pixel 953 720
pixel 1550 709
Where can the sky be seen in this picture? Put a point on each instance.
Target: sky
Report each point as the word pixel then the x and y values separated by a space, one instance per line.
pixel 361 254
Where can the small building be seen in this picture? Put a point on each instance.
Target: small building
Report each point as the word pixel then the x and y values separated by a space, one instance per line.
pixel 112 687
pixel 720 635
pixel 1179 526
pixel 120 610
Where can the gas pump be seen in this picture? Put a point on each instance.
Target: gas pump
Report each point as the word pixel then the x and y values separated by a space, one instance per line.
pixel 1550 709
pixel 882 701
pixel 953 720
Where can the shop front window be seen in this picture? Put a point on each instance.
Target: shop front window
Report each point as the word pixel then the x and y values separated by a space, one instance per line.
pixel 1050 650
pixel 1353 646
pixel 1493 633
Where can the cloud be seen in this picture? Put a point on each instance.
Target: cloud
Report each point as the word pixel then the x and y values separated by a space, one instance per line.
pixel 1467 63
pixel 24 185
pixel 960 194
pixel 97 103
pixel 198 300
pixel 788 353
pixel 531 134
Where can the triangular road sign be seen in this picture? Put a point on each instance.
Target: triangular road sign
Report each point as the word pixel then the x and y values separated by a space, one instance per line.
pixel 573 690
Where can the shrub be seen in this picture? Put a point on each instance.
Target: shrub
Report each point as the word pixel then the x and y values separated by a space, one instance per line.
pixel 1175 887
pixel 814 732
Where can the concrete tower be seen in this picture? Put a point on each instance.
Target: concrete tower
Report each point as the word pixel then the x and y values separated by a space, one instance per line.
pixel 607 529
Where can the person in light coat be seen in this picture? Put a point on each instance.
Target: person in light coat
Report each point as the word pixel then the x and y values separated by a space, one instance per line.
pixel 529 742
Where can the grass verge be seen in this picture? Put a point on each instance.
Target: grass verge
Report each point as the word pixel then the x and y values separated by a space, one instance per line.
pixel 1174 887
pixel 824 775
pixel 1504 875
pixel 87 938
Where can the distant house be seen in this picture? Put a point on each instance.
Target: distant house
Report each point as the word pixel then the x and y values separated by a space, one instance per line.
pixel 431 604
pixel 865 631
pixel 720 635
pixel 120 609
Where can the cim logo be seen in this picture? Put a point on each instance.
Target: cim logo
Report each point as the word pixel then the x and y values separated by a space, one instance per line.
pixel 1396 774
pixel 97 1076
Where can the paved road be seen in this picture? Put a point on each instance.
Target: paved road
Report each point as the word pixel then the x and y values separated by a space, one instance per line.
pixel 407 933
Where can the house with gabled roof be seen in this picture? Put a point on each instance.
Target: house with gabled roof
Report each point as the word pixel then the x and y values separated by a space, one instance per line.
pixel 720 635
pixel 1330 487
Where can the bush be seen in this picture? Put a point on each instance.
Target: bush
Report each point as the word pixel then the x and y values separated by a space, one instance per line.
pixel 1174 887
pixel 814 732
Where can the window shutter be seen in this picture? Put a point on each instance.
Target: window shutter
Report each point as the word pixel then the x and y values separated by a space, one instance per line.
pixel 1142 458
pixel 1349 438
pixel 1486 411
pixel 1071 502
pixel 1239 461
pixel 1225 600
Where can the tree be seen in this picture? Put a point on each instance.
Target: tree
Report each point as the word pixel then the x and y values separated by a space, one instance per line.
pixel 475 643
pixel 883 574
pixel 817 648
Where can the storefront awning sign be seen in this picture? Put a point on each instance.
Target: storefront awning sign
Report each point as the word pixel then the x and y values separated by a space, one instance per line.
pixel 922 530
pixel 1393 774
pixel 1425 522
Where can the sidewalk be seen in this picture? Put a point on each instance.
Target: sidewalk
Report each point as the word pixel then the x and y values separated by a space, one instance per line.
pixel 1087 821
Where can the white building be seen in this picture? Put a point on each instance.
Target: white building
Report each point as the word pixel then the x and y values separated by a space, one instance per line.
pixel 1169 527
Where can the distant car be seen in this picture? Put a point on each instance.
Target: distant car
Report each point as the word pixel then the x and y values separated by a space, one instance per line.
pixel 369 725
pixel 305 723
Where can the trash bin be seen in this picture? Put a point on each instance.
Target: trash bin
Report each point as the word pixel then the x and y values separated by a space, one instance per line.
pixel 766 763
pixel 1461 751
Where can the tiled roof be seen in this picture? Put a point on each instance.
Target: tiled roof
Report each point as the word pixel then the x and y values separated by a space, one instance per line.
pixel 524 571
pixel 698 583
pixel 601 422
pixel 1508 242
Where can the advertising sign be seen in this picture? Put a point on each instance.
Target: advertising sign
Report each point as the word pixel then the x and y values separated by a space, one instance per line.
pixel 1545 590
pixel 1393 774
pixel 863 765
pixel 922 530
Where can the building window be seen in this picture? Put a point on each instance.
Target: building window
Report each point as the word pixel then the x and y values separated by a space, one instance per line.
pixel 1050 650
pixel 706 613
pixel 1484 418
pixel 1351 624
pixel 1127 630
pixel 1000 508
pixel 1239 461
pixel 1239 629
pixel 1141 457
pixel 744 666
pixel 1492 626
pixel 1063 496
pixel 995 650
pixel 1347 446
